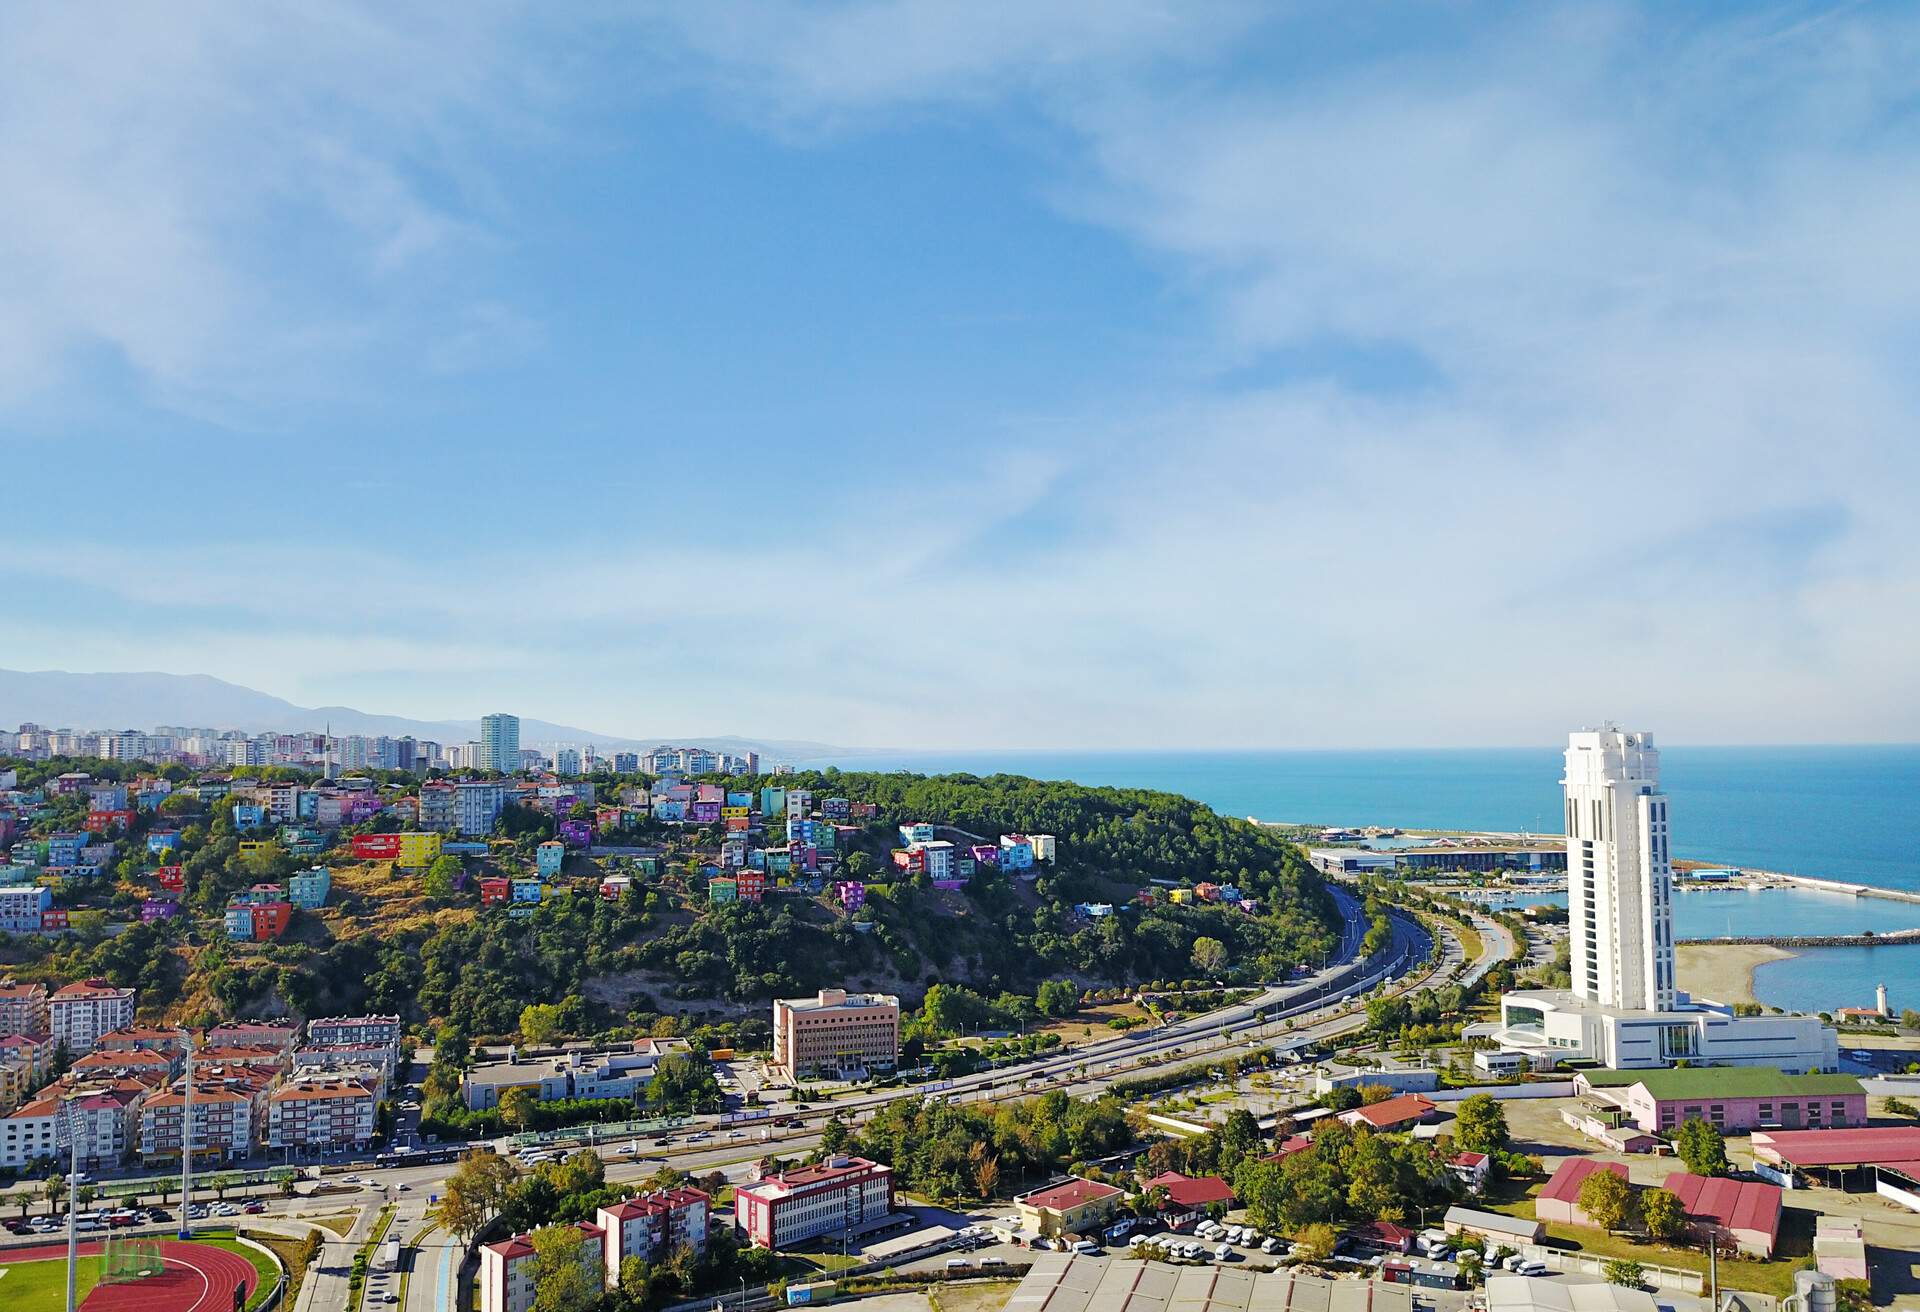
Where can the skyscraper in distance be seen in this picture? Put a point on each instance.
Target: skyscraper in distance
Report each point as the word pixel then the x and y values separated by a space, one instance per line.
pixel 500 742
pixel 1623 1008
pixel 1619 877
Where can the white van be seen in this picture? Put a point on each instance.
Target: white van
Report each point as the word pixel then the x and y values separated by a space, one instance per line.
pixel 1223 1254
pixel 1084 1247
pixel 1532 1268
pixel 958 1264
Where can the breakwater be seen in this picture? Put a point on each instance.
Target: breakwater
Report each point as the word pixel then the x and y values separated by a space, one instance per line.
pixel 1796 942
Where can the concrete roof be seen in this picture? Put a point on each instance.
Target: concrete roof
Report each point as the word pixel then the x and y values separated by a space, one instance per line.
pixel 1525 1294
pixel 1060 1282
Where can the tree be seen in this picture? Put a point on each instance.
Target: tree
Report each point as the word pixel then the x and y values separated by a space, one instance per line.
pixel 1910 1019
pixel 1057 998
pixel 1608 1199
pixel 1702 1147
pixel 1239 1139
pixel 539 1023
pixel 683 1082
pixel 1209 956
pixel 474 1192
pixel 441 876
pixel 222 1182
pixel 518 1107
pixel 1317 1241
pixel 1480 1125
pixel 986 1170
pixel 560 1279
pixel 53 1189
pixel 85 1194
pixel 1623 1271
pixel 1662 1214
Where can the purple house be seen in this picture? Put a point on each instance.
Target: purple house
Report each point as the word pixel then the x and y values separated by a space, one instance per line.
pixel 362 807
pixel 852 893
pixel 577 833
pixel 705 813
pixel 986 855
pixel 159 908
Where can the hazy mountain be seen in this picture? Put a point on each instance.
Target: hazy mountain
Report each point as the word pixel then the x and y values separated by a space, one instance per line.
pixel 58 699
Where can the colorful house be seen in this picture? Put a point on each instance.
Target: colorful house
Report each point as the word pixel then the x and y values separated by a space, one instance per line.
pixel 909 860
pixel 1016 853
pixel 309 888
pixel 239 922
pixel 852 894
pixel 173 878
pixel 576 833
pixel 773 801
pixel 549 857
pixel 270 920
pixel 159 908
pixel 495 891
pixel 750 885
pixel 985 855
pixel 53 918
pixel 248 816
pixel 64 849
pixel 705 813
pixel 722 890
pixel 918 831
pixel 163 840
pixel 528 890
pixel 779 862
pixel 742 802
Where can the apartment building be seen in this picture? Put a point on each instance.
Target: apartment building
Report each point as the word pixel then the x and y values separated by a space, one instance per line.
pixel 836 1032
pixel 23 909
pixel 477 803
pixel 224 1122
pixel 275 1035
pixel 355 1031
pixel 842 1193
pixel 101 1115
pixel 23 1008
pixel 506 1270
pixel 652 1225
pixel 81 1013
pixel 320 1113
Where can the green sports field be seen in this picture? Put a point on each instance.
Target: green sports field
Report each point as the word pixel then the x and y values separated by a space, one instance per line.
pixel 42 1286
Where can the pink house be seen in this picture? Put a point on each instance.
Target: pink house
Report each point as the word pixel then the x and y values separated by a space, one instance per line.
pixel 1745 1211
pixel 1731 1098
pixel 1559 1200
pixel 852 894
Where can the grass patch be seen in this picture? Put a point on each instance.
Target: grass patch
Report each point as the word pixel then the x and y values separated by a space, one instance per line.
pixel 42 1286
pixel 1775 1277
pixel 292 1255
pixel 337 1224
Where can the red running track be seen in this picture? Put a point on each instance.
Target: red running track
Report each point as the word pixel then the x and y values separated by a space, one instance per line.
pixel 199 1278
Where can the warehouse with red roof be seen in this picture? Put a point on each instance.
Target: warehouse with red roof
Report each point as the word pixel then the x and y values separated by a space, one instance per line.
pixel 1746 1212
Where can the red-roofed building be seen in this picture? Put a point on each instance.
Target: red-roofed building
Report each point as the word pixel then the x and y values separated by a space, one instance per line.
pixel 1287 1147
pixel 1746 1212
pixel 1471 1169
pixel 779 1210
pixel 1401 1113
pixel 1075 1207
pixel 82 1012
pixel 1188 1195
pixel 651 1225
pixel 506 1270
pixel 1381 1237
pixel 319 1113
pixel 1558 1202
pixel 23 1008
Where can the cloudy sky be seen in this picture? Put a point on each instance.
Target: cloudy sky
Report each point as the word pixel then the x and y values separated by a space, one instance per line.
pixel 1126 373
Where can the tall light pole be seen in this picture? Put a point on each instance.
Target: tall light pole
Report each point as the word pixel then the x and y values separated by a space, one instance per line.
pixel 186 1138
pixel 73 1197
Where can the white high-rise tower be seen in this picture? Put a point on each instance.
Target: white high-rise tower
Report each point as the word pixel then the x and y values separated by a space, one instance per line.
pixel 1621 1008
pixel 500 743
pixel 1619 875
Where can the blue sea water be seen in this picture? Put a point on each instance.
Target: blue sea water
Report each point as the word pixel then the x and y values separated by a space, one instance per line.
pixel 1849 813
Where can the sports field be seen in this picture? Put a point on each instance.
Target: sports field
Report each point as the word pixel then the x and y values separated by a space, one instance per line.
pixel 198 1278
pixel 42 1286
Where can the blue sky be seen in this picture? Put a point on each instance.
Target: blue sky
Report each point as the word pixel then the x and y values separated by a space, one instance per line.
pixel 988 374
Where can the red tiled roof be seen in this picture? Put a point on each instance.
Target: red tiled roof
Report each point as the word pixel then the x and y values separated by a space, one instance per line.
pixel 1469 1160
pixel 1564 1187
pixel 1287 1147
pixel 1392 1111
pixel 1073 1193
pixel 1192 1190
pixel 661 1200
pixel 1733 1204
pixel 1877 1145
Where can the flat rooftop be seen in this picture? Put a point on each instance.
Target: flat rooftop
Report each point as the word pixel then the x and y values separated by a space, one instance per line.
pixel 1060 1282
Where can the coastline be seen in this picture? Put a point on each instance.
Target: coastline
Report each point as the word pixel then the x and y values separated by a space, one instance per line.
pixel 1723 972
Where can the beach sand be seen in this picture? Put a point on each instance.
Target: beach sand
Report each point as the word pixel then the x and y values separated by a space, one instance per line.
pixel 1723 971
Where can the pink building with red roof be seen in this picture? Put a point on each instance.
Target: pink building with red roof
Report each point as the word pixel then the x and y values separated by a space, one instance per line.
pixel 506 1270
pixel 652 1225
pixel 1746 1212
pixel 1399 1113
pixel 1559 1199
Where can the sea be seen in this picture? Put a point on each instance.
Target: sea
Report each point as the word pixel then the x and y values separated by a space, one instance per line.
pixel 1846 813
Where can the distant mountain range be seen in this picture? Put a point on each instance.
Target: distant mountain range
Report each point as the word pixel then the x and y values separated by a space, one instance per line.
pixel 58 699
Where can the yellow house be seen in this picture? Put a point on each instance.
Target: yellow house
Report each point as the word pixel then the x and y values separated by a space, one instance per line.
pixel 1076 1207
pixel 254 845
pixel 1179 895
pixel 417 850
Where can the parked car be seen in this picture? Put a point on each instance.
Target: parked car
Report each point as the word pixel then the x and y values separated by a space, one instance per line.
pixel 254 1208
pixel 1224 1253
pixel 1085 1247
